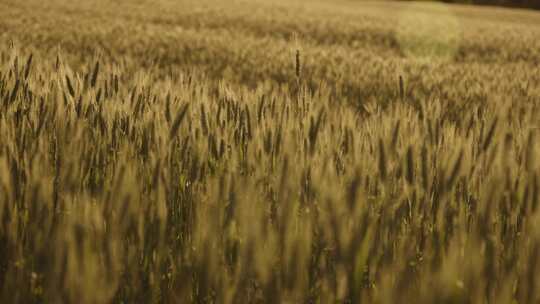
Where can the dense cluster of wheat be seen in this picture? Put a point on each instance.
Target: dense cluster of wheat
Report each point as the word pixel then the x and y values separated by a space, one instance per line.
pixel 235 177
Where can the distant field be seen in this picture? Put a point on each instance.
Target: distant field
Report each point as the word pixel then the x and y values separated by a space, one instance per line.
pixel 268 152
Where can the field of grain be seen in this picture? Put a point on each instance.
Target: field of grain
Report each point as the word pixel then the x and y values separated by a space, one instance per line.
pixel 268 152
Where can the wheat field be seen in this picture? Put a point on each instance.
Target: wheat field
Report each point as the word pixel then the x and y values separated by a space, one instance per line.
pixel 268 152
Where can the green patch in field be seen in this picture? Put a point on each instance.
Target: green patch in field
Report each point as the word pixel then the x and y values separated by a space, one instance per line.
pixel 428 31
